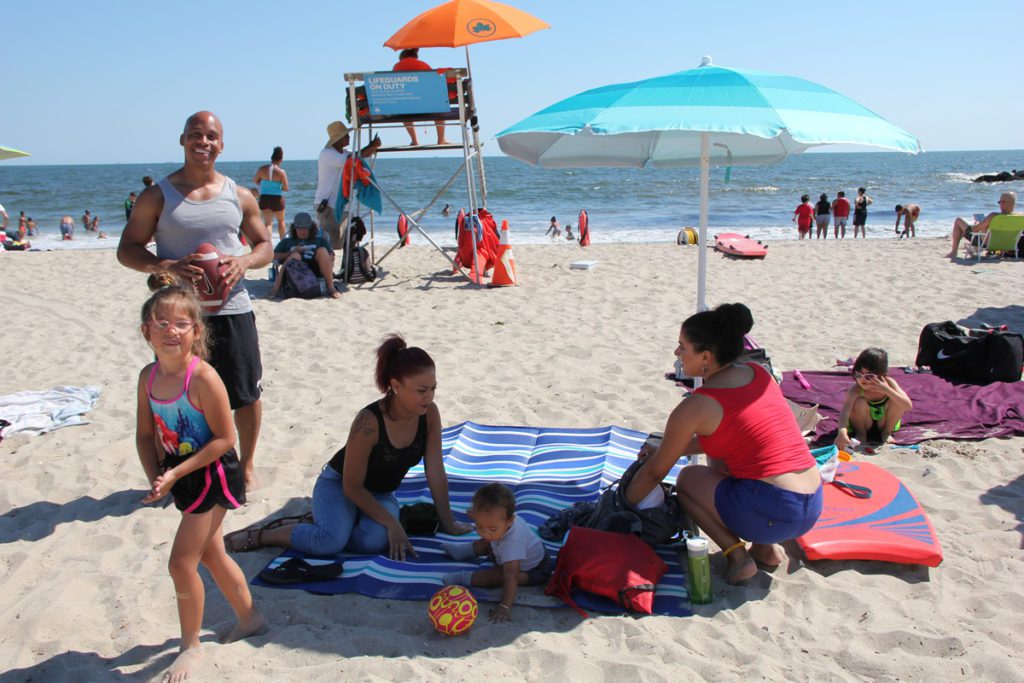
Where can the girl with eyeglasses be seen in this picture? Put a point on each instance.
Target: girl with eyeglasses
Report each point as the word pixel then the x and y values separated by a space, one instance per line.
pixel 874 405
pixel 185 439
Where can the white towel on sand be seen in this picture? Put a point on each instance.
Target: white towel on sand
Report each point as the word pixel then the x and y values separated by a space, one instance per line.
pixel 36 412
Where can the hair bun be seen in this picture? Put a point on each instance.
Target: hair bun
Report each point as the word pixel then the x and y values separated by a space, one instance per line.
pixel 734 320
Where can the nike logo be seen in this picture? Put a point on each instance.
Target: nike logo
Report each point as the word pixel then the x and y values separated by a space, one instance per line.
pixel 206 287
pixel 942 355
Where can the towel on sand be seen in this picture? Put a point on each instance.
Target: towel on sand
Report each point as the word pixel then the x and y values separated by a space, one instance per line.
pixel 37 412
pixel 549 469
pixel 942 409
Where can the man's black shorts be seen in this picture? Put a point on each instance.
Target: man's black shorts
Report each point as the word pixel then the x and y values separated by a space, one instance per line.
pixel 235 354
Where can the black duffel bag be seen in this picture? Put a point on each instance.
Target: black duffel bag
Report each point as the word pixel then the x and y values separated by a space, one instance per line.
pixel 979 356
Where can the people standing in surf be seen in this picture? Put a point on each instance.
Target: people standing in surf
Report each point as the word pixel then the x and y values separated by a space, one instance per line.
pixel 803 216
pixel 761 483
pixel 840 213
pixel 860 213
pixel 185 440
pixel 273 183
pixel 909 214
pixel 822 216
pixel 87 221
pixel 553 229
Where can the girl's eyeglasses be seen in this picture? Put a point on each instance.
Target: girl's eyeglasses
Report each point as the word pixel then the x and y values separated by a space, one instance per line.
pixel 864 375
pixel 178 325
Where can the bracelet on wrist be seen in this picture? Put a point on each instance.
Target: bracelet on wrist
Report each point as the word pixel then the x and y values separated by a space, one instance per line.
pixel 507 608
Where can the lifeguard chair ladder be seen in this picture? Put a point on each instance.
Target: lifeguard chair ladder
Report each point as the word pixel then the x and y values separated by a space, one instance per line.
pixel 382 100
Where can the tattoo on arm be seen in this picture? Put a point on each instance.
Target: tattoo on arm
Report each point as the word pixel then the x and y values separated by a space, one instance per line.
pixel 366 424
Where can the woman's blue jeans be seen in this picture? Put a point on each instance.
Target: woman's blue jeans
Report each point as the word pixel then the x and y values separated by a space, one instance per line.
pixel 339 524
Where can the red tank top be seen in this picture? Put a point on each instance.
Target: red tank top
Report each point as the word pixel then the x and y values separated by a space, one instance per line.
pixel 758 436
pixel 842 208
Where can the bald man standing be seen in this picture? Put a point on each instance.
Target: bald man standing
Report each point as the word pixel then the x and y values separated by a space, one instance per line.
pixel 196 204
pixel 963 230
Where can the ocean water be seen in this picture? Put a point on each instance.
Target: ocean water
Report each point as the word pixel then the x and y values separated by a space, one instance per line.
pixel 624 205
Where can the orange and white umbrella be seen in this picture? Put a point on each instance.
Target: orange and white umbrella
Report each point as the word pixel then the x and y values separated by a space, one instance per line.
pixel 464 22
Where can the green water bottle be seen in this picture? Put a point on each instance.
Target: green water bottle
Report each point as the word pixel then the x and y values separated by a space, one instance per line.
pixel 698 571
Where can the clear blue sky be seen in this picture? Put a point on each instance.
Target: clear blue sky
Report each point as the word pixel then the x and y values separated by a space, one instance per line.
pixel 112 82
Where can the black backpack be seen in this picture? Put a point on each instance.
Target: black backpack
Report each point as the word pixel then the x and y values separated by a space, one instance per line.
pixel 301 280
pixel 979 356
pixel 654 526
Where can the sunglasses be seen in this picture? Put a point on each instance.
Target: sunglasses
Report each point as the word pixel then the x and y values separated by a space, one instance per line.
pixel 178 325
pixel 864 375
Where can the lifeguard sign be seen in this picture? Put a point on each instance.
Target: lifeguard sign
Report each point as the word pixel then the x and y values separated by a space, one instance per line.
pixel 401 93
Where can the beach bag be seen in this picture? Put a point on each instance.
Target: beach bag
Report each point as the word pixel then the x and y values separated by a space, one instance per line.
pixel 616 566
pixel 978 356
pixel 654 526
pixel 301 280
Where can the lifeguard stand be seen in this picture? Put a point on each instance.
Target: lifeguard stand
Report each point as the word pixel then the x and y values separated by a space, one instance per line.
pixel 391 99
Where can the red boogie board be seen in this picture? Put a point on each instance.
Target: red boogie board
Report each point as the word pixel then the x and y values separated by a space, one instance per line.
pixel 737 245
pixel 890 525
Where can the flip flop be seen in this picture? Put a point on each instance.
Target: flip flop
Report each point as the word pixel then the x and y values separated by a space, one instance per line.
pixel 244 540
pixel 297 570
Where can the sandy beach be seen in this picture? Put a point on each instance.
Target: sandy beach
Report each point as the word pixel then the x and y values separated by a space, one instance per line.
pixel 85 593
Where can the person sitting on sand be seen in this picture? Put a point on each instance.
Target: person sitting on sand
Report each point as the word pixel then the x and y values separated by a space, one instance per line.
pixel 305 243
pixel 962 230
pixel 761 482
pixel 909 214
pixel 874 405
pixel 408 60
pixel 185 441
pixel 354 506
pixel 520 558
pixel 803 216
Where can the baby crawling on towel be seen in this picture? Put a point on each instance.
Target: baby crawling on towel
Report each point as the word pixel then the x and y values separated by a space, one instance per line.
pixel 520 559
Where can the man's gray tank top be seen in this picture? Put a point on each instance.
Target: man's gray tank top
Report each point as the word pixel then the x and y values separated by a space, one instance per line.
pixel 184 224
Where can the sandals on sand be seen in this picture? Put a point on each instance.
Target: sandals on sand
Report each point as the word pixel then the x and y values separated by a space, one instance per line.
pixel 251 538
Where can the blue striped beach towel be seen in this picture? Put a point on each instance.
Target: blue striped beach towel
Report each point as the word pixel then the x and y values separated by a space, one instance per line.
pixel 548 468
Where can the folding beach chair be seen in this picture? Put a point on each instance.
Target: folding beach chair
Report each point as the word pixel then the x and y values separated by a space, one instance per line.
pixel 1003 234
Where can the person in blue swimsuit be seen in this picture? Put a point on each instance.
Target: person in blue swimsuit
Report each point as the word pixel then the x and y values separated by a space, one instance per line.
pixel 354 507
pixel 185 440
pixel 273 183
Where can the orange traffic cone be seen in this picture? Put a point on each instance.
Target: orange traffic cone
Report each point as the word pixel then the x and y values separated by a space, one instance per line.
pixel 505 268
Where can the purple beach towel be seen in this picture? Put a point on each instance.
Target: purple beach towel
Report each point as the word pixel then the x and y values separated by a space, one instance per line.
pixel 942 409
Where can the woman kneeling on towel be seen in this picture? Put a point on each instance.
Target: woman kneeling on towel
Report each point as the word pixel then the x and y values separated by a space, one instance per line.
pixel 761 483
pixel 354 506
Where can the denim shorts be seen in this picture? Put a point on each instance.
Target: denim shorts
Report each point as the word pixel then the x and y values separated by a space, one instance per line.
pixel 762 513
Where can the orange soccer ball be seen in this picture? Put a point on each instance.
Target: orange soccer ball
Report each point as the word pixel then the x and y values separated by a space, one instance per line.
pixel 452 610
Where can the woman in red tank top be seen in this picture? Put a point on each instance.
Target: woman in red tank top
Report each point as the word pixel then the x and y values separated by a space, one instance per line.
pixel 761 483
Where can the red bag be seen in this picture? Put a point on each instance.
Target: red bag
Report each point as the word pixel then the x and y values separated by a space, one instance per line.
pixel 616 566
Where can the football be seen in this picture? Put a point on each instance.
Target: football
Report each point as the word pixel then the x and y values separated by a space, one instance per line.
pixel 211 287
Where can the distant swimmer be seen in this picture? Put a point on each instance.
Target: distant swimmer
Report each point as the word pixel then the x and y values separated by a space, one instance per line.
pixel 909 214
pixel 446 211
pixel 553 229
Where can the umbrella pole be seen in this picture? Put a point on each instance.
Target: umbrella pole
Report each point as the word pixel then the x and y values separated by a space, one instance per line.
pixel 702 252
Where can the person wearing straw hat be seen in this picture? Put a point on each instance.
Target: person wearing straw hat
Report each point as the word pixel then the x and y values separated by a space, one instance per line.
pixel 330 165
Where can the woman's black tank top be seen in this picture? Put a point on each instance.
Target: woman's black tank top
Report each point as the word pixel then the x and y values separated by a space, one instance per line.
pixel 387 465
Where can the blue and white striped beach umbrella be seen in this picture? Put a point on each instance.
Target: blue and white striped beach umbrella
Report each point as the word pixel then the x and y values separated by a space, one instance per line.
pixel 703 116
